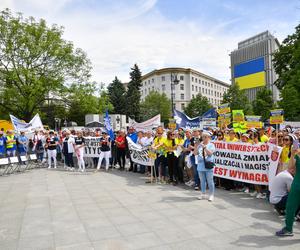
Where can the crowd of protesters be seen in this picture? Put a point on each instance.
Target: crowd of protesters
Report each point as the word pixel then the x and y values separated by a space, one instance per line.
pixel 182 157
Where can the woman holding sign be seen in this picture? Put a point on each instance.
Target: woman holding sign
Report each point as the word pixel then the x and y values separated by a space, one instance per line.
pixel 205 152
pixel 293 202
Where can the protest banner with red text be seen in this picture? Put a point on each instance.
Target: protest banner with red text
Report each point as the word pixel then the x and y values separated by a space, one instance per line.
pixel 244 162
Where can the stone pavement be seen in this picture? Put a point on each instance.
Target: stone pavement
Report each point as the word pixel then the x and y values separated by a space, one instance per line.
pixel 53 209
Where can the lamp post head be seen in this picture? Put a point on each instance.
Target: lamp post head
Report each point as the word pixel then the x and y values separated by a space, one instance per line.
pixel 176 80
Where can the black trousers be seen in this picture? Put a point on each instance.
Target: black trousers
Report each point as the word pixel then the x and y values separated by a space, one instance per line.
pixel 172 166
pixel 121 154
pixel 69 160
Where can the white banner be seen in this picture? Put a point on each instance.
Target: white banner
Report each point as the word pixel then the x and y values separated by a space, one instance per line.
pixel 92 146
pixel 146 125
pixel 33 125
pixel 245 162
pixel 138 154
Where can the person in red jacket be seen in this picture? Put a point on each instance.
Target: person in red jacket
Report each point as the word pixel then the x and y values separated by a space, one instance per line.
pixel 121 149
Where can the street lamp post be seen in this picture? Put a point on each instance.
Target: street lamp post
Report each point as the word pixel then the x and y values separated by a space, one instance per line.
pixel 174 81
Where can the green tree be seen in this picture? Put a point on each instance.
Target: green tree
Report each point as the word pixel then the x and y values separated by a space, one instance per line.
pixel 34 61
pixel 290 102
pixel 197 106
pixel 81 101
pixel 133 94
pixel 237 99
pixel 263 103
pixel 154 104
pixel 117 96
pixel 287 66
pixel 287 61
pixel 104 103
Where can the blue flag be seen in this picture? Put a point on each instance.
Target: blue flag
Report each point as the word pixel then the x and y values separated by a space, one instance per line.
pixel 183 121
pixel 107 125
pixel 211 113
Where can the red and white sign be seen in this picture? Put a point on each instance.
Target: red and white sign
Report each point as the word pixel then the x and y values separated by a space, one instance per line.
pixel 245 162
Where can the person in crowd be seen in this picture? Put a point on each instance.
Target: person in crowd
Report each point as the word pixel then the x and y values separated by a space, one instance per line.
pixel 220 136
pixel 2 145
pixel 195 139
pixel 280 138
pixel 171 146
pixel 160 162
pixel 232 136
pixel 44 137
pixel 68 150
pixel 38 145
pixel 51 146
pixel 293 201
pixel 105 151
pixel 187 157
pixel 11 143
pixel 286 152
pixel 205 153
pixel 180 155
pixel 22 143
pixel 262 136
pixel 121 149
pixel 134 137
pixel 245 138
pixel 280 187
pixel 146 141
pixel 79 150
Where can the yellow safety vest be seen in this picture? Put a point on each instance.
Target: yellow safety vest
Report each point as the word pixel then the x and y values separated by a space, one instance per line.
pixel 10 144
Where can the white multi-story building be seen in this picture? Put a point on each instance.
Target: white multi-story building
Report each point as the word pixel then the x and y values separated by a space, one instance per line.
pixel 191 83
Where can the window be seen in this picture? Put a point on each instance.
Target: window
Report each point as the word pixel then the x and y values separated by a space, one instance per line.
pixel 202 82
pixel 148 82
pixel 145 91
pixel 192 87
pixel 163 87
pixel 205 91
pixel 196 88
pixel 205 83
pixel 182 106
pixel 192 79
pixel 152 88
pixel 215 93
pixel 181 86
pixel 152 79
pixel 182 96
pixel 145 83
pixel 196 80
pixel 163 78
pixel 193 96
pixel 181 78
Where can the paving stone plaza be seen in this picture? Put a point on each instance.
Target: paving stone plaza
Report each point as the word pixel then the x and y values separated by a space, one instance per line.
pixel 54 209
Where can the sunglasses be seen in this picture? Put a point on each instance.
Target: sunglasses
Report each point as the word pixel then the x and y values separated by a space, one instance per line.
pixel 286 139
pixel 220 135
pixel 280 136
pixel 172 134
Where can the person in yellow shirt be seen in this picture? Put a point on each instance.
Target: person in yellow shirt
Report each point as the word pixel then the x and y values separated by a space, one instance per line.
pixel 170 147
pixel 232 137
pixel 263 138
pixel 160 162
pixel 285 153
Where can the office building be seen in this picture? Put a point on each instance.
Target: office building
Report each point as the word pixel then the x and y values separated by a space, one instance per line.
pixel 252 67
pixel 191 83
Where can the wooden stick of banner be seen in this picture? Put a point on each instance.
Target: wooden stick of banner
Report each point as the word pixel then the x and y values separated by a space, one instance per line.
pixel 277 131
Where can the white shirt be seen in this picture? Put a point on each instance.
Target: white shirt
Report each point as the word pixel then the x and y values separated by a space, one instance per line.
pixel 71 143
pixel 280 185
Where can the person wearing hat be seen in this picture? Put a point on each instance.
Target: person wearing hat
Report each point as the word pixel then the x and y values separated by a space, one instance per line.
pixel 2 144
pixel 245 138
pixel 11 143
pixel 51 146
pixel 204 152
pixel 105 151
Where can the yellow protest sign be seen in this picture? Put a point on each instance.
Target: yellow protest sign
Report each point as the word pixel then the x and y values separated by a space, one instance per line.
pixel 238 116
pixel 276 116
pixel 223 109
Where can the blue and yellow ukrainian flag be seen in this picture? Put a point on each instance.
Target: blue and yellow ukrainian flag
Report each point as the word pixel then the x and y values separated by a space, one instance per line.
pixel 250 74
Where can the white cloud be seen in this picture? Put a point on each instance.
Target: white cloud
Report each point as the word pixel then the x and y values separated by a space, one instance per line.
pixel 117 34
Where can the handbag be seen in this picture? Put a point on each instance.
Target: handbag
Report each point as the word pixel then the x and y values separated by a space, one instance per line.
pixel 207 164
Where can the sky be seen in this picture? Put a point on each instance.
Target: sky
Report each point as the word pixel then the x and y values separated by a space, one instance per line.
pixel 197 34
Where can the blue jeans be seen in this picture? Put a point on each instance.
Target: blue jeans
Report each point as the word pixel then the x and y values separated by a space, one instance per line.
pixel 196 176
pixel 160 165
pixel 207 177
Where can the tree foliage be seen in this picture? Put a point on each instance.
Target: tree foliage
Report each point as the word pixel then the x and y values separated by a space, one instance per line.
pixel 287 65
pixel 34 61
pixel 104 103
pixel 117 96
pixel 133 94
pixel 263 103
pixel 237 99
pixel 154 104
pixel 197 106
pixel 290 102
